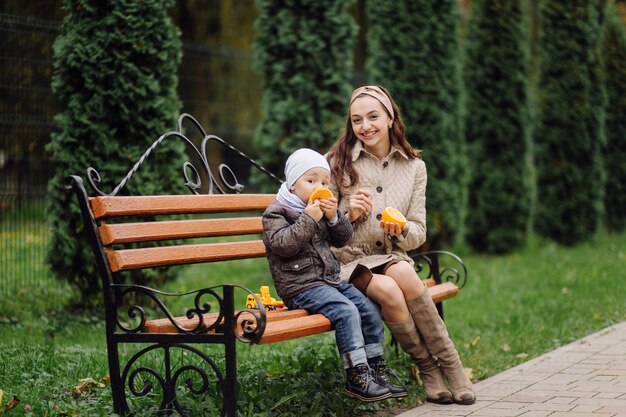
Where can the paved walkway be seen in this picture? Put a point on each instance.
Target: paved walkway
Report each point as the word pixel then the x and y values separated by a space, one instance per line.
pixel 586 378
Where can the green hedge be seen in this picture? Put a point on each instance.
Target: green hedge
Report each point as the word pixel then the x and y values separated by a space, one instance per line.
pixel 496 123
pixel 615 152
pixel 115 66
pixel 413 51
pixel 304 54
pixel 569 134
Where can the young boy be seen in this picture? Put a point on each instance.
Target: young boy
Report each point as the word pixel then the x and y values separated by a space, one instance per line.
pixel 298 235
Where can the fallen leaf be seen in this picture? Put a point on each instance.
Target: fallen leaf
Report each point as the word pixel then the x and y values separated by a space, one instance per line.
pixel 522 355
pixel 506 347
pixel 86 384
pixel 13 403
pixel 414 371
pixel 106 379
pixel 469 372
pixel 475 341
pixel 564 290
pixel 597 316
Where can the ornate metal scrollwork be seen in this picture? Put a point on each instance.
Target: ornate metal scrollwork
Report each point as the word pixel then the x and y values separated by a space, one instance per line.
pixel 448 266
pixel 252 321
pixel 193 180
pixel 199 310
pixel 165 383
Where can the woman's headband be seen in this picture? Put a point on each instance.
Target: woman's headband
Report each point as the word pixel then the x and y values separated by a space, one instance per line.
pixel 377 93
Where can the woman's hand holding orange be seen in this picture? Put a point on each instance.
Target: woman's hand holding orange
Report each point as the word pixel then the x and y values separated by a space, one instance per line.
pixel 360 204
pixel 393 222
pixel 392 229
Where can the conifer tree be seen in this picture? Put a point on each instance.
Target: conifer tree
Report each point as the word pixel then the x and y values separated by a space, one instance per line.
pixel 413 51
pixel 569 134
pixel 115 66
pixel 495 126
pixel 304 54
pixel 615 152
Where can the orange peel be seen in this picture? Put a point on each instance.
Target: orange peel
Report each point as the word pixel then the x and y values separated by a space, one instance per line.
pixel 321 192
pixel 391 215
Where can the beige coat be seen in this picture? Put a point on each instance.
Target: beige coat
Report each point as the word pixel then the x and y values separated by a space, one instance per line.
pixel 395 181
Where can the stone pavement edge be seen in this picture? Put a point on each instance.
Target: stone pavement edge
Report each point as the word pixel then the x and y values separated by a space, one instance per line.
pixel 586 378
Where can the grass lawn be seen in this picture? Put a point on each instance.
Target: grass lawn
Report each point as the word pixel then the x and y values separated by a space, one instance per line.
pixel 513 308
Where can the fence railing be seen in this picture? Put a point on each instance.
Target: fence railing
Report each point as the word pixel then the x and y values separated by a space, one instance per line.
pixel 24 237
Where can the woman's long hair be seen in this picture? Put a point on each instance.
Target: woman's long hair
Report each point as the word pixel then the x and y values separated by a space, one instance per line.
pixel 340 154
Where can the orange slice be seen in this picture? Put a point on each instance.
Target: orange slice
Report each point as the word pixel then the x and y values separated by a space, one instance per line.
pixel 391 215
pixel 321 192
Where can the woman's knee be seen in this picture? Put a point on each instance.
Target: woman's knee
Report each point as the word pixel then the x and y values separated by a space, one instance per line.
pixel 406 277
pixel 401 269
pixel 385 290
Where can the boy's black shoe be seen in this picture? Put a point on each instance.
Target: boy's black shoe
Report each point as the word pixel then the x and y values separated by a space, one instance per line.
pixel 381 375
pixel 361 384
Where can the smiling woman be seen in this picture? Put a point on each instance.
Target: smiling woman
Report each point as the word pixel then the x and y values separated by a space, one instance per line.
pixel 373 153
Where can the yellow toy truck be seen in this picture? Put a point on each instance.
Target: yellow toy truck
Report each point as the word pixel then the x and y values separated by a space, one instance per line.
pixel 270 302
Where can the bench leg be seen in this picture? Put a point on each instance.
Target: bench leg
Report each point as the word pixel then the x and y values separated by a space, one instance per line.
pixel 230 390
pixel 440 309
pixel 117 388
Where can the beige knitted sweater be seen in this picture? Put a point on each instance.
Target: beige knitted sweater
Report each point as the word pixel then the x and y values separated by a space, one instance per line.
pixel 395 181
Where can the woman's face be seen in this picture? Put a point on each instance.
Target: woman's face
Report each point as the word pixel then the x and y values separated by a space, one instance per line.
pixel 370 123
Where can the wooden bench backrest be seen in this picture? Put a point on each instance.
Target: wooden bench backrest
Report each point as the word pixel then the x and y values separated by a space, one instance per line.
pixel 134 220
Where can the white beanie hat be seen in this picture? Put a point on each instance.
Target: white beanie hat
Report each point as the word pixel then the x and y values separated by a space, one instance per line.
pixel 300 162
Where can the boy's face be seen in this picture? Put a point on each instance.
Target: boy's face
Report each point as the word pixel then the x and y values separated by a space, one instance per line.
pixel 310 180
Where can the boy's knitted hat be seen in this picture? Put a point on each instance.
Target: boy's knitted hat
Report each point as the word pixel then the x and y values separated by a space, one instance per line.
pixel 301 161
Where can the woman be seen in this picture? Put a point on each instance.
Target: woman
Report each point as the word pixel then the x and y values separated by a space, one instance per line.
pixel 373 166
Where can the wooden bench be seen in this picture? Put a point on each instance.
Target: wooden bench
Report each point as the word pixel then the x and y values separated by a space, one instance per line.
pixel 195 229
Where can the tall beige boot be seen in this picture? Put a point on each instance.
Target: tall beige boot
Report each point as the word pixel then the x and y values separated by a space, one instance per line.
pixel 437 341
pixel 407 336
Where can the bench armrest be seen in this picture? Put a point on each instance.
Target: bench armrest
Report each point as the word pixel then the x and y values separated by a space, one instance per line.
pixel 442 266
pixel 211 310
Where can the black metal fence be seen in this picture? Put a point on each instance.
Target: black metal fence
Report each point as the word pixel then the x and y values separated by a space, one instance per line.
pixel 23 241
pixel 216 84
pixel 26 110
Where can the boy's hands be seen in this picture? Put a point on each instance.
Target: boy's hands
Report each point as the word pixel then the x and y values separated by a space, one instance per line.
pixel 314 210
pixel 322 207
pixel 329 207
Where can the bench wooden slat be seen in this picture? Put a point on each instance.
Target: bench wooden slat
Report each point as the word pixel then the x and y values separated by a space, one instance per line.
pixel 166 326
pixel 429 282
pixel 443 291
pixel 127 259
pixel 179 229
pixel 280 330
pixel 178 204
pixel 283 324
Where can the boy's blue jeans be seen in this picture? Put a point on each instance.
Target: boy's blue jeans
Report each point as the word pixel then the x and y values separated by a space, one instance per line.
pixel 354 317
